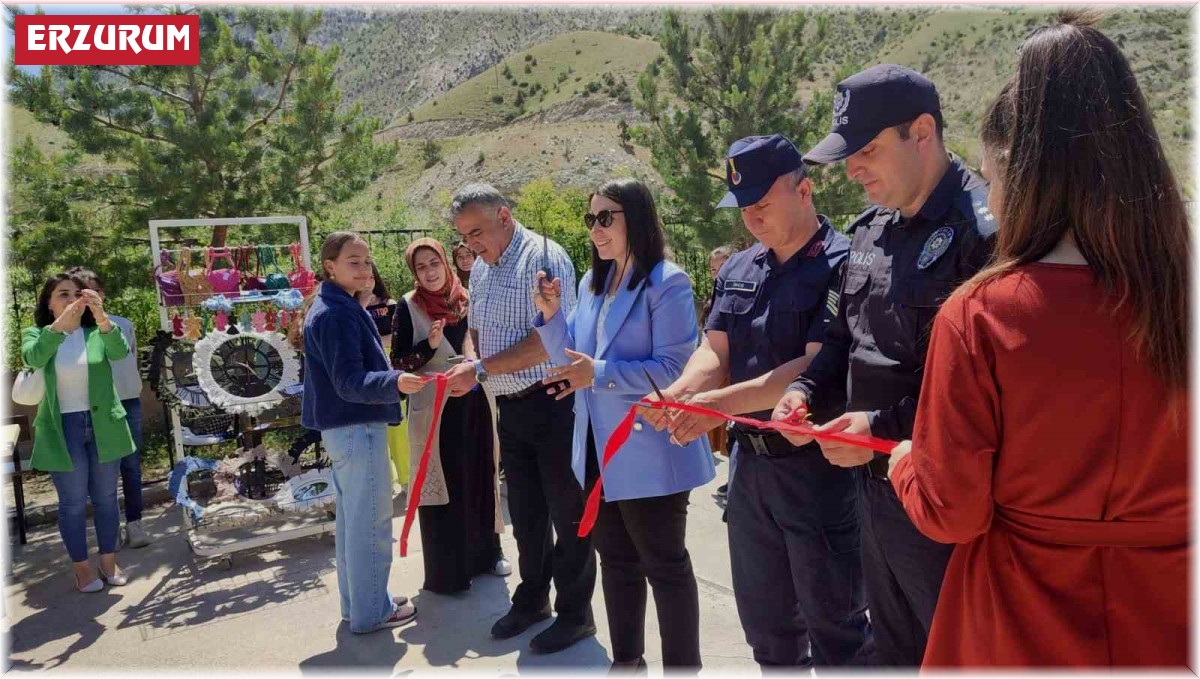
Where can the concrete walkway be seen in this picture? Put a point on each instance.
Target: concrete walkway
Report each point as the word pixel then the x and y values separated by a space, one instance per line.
pixel 276 609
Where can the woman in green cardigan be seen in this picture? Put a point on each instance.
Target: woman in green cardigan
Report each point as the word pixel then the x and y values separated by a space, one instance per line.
pixel 80 432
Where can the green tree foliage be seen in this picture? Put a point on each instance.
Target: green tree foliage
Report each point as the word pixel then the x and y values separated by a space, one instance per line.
pixel 735 75
pixel 557 212
pixel 253 129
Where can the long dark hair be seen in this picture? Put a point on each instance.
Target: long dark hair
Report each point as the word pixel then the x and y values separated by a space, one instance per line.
pixel 1077 154
pixel 645 235
pixel 42 316
pixel 380 290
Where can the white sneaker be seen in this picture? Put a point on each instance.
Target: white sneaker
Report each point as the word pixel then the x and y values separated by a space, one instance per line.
pixel 135 535
pixel 502 568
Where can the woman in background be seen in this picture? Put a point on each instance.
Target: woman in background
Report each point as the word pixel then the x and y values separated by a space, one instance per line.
pixel 464 261
pixel 382 309
pixel 81 429
pixel 718 438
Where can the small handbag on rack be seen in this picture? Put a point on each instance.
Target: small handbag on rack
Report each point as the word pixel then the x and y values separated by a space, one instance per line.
pixel 168 281
pixel 302 278
pixel 277 279
pixel 251 280
pixel 223 281
pixel 194 282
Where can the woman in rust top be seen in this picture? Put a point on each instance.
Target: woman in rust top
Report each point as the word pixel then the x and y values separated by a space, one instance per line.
pixel 1051 441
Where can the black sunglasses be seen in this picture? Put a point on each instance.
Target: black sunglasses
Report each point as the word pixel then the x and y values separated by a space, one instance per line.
pixel 604 217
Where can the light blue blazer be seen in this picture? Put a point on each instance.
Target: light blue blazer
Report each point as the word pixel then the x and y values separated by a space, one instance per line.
pixel 654 327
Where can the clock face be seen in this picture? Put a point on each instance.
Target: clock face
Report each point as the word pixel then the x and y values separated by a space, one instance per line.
pixel 247 366
pixel 179 375
pixel 246 373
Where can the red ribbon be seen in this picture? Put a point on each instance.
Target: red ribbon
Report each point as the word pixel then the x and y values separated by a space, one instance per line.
pixel 792 426
pixel 414 493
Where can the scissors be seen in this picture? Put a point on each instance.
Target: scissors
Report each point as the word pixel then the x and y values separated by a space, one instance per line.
pixel 657 391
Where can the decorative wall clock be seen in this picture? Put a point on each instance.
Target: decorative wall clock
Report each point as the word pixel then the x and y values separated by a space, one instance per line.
pixel 248 372
pixel 175 374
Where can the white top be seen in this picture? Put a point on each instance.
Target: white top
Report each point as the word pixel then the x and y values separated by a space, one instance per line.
pixel 125 371
pixel 71 373
pixel 608 300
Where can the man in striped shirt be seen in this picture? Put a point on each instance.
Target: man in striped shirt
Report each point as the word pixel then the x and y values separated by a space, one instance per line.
pixel 535 430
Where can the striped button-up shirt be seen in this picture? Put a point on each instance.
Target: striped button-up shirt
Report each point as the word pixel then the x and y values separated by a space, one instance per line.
pixel 502 309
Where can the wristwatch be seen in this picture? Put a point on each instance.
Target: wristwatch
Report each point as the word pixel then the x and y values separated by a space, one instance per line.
pixel 480 372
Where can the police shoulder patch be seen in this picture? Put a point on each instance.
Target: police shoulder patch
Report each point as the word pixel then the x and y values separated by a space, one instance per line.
pixel 935 246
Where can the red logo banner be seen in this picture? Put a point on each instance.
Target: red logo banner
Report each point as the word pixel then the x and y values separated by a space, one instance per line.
pixel 106 40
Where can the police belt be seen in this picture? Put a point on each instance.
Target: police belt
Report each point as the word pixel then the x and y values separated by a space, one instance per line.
pixel 762 443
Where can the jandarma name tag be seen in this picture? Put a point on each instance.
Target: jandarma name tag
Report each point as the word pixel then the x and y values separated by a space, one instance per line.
pixel 741 286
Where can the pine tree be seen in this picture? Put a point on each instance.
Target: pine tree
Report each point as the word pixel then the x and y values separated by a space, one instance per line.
pixel 734 75
pixel 253 129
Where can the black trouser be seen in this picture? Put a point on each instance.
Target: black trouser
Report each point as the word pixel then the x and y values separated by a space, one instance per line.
pixel 797 568
pixel 903 571
pixel 535 444
pixel 644 539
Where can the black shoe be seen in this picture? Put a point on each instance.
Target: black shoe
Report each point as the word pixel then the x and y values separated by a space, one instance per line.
pixel 516 621
pixel 723 490
pixel 560 636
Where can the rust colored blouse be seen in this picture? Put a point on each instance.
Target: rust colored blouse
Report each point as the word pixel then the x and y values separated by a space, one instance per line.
pixel 1047 451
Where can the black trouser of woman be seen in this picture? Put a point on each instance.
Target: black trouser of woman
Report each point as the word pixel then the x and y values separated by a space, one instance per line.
pixel 640 540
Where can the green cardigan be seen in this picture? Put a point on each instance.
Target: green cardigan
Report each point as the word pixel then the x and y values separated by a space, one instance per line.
pixel 39 347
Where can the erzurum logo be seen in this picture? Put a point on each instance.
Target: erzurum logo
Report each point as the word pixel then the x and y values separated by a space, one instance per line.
pixel 107 40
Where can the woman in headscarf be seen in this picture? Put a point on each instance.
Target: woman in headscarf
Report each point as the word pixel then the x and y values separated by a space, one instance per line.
pixel 464 261
pixel 457 509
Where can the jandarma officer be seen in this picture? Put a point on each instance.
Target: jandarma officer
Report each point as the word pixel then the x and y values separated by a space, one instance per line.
pixel 793 517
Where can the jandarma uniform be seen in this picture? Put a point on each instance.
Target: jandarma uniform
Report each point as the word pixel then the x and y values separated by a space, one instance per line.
pixel 793 517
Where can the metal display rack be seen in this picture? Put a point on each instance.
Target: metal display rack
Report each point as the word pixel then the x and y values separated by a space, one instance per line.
pixel 209 539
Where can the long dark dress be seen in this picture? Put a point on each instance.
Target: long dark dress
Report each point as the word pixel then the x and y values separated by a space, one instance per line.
pixel 458 539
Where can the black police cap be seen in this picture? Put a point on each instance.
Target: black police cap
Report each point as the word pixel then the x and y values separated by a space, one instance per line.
pixel 752 166
pixel 868 103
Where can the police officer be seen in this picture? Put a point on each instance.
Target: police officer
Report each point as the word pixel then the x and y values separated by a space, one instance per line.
pixel 793 517
pixel 927 231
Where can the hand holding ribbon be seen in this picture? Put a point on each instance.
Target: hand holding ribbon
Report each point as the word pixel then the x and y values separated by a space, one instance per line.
pixel 793 425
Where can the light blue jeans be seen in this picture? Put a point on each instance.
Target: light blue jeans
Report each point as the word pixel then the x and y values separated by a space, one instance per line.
pixel 89 477
pixel 363 488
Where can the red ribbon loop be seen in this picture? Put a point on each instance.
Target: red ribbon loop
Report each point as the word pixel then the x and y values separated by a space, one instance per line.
pixel 414 493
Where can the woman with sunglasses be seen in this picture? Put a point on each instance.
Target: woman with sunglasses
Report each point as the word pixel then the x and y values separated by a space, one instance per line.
pixel 635 322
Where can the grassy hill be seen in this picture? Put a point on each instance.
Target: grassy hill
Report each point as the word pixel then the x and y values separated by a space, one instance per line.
pixel 563 68
pixel 394 61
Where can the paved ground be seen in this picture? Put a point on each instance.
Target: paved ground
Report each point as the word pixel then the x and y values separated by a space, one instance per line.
pixel 277 610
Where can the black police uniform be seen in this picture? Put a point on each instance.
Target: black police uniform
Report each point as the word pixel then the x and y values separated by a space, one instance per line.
pixel 794 536
pixel 897 275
